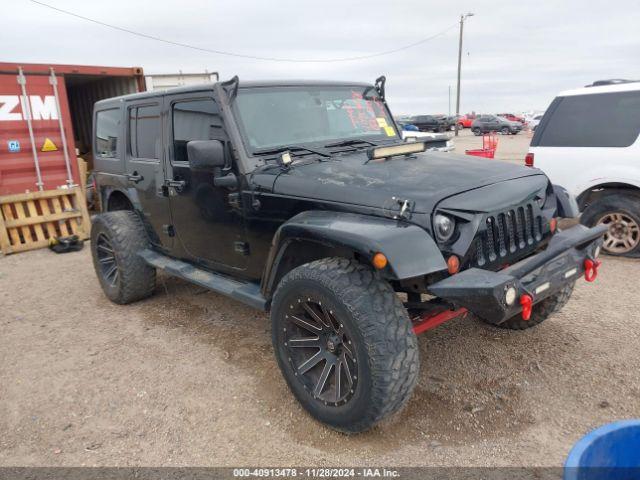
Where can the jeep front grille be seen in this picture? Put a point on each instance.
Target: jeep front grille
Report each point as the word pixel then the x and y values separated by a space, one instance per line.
pixel 507 234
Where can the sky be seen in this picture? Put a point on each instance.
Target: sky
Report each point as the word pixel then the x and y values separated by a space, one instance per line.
pixel 517 54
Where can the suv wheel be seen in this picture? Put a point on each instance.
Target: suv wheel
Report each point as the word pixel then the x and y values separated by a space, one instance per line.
pixel 476 131
pixel 621 213
pixel 116 239
pixel 505 131
pixel 541 311
pixel 344 343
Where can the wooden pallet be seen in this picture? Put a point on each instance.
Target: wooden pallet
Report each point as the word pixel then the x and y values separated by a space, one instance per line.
pixel 31 220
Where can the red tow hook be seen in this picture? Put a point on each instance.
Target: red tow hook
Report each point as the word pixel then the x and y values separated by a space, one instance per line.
pixel 591 269
pixel 527 304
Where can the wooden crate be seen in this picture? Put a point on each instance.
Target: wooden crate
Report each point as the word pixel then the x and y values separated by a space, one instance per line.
pixel 30 220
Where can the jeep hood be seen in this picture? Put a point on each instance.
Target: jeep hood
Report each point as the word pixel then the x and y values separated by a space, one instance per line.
pixel 424 179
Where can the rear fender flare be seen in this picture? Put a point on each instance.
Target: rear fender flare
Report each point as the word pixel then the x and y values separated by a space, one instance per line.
pixel 130 193
pixel 410 250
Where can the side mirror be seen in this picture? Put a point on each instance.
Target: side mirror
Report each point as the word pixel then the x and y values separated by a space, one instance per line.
pixel 205 154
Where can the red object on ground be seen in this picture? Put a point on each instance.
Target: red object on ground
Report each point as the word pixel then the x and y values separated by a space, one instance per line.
pixel 527 305
pixel 432 320
pixel 466 120
pixel 490 153
pixel 489 146
pixel 75 89
pixel 591 269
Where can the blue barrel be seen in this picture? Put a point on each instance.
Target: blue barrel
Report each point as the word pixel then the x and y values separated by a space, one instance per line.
pixel 609 452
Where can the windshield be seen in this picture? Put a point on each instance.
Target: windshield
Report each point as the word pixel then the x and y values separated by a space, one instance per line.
pixel 272 117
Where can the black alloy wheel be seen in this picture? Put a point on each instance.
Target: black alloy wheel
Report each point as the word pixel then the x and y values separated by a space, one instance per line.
pixel 117 238
pixel 107 260
pixel 320 351
pixel 344 343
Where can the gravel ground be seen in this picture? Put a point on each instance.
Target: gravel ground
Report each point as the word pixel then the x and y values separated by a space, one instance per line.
pixel 188 377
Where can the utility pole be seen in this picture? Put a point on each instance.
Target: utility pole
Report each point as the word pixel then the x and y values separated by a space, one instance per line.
pixel 462 19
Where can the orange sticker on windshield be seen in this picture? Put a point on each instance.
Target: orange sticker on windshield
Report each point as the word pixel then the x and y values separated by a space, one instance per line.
pixel 382 122
pixel 389 131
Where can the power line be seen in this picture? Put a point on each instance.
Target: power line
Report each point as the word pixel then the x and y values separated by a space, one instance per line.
pixel 241 55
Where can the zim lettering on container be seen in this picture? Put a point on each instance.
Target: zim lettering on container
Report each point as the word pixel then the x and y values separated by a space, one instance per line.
pixel 41 108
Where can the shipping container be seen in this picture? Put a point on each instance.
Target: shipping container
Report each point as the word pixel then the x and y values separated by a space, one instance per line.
pixel 45 117
pixel 173 80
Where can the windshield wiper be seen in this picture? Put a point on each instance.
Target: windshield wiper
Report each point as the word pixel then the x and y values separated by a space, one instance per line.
pixel 348 143
pixel 290 148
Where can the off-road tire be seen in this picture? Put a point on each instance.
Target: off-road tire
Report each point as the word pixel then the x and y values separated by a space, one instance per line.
pixel 541 311
pixel 609 204
pixel 384 343
pixel 125 233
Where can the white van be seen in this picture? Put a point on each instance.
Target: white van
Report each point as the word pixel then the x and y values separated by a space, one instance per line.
pixel 588 141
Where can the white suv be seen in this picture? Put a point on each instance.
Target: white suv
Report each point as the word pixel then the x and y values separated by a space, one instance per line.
pixel 589 142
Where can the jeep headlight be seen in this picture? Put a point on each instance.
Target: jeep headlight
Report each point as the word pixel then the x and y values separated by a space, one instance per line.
pixel 444 227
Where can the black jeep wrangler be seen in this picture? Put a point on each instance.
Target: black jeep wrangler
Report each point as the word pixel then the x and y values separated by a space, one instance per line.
pixel 300 199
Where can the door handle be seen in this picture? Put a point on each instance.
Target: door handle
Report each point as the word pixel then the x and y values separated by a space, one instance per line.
pixel 177 184
pixel 135 177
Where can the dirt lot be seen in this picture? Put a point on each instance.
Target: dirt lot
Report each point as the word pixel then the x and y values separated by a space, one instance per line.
pixel 188 377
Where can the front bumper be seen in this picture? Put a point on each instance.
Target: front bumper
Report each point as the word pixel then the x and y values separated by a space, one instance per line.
pixel 538 276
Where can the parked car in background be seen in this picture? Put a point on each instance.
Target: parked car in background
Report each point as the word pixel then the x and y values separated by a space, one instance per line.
pixel 438 142
pixel 588 142
pixel 449 120
pixel 533 123
pixel 430 123
pixel 493 123
pixel 511 117
pixel 465 121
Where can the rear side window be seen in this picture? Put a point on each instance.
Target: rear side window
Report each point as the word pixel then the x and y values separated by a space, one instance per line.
pixel 597 120
pixel 107 127
pixel 144 131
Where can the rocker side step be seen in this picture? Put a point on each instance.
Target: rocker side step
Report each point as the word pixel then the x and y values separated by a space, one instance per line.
pixel 246 292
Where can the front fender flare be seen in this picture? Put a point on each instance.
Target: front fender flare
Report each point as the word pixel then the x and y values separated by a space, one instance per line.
pixel 410 250
pixel 567 204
